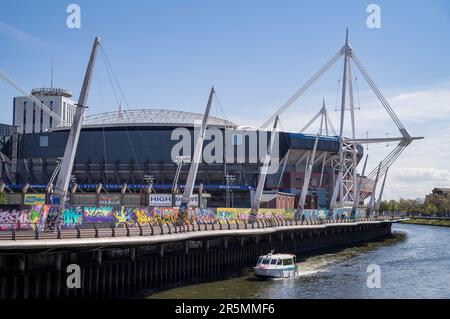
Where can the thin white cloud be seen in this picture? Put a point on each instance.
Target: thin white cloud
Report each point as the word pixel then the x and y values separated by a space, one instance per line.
pixel 424 112
pixel 415 182
pixel 19 35
pixel 419 107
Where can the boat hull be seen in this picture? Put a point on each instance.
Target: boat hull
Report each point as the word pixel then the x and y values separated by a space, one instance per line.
pixel 275 273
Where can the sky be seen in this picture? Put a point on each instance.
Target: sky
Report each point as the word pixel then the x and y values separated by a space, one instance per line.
pixel 257 53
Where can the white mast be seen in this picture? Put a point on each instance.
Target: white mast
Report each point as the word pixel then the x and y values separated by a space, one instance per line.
pixel 339 187
pixel 371 205
pixel 358 189
pixel 190 182
pixel 264 169
pixel 308 172
pixel 377 207
pixel 63 180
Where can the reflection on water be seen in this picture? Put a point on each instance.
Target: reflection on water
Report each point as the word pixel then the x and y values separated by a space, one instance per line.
pixel 415 263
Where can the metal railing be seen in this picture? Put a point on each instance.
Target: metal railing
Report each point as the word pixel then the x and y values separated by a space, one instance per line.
pixel 32 231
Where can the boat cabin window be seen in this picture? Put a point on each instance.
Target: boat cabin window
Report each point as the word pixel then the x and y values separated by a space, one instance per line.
pixel 288 262
pixel 266 261
pixel 280 262
pixel 273 261
pixel 260 260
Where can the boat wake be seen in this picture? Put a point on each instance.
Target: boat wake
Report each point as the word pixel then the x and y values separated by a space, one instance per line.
pixel 306 273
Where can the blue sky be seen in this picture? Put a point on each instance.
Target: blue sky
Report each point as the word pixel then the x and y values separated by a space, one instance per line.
pixel 167 54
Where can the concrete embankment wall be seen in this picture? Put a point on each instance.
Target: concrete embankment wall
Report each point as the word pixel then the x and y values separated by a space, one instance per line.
pixel 125 270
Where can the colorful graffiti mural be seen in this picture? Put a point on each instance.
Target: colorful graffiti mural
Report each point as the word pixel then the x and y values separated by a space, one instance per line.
pixel 244 213
pixel 47 216
pixel 19 220
pixel 143 217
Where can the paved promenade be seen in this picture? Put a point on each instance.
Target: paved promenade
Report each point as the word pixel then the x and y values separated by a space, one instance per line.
pixel 154 234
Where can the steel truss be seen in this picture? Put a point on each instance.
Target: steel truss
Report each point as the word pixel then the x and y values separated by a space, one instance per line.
pixel 346 191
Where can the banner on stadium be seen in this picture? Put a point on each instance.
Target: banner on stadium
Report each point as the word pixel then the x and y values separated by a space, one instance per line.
pixel 109 199
pixel 165 200
pixel 34 199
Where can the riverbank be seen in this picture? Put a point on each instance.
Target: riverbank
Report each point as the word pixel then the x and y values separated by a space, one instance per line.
pixel 343 273
pixel 120 267
pixel 313 265
pixel 429 222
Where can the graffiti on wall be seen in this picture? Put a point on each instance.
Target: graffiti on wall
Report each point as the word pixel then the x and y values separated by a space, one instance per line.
pixel 46 217
pixel 72 216
pixel 17 219
pixel 143 217
pixel 244 213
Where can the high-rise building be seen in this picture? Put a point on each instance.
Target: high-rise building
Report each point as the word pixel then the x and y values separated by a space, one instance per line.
pixel 28 117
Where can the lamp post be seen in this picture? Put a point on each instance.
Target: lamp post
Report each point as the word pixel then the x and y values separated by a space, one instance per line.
pixel 230 179
pixel 180 160
pixel 149 181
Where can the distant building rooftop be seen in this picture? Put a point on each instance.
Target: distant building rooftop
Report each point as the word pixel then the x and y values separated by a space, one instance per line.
pixel 51 92
pixel 6 129
pixel 271 195
pixel 441 191
pixel 151 117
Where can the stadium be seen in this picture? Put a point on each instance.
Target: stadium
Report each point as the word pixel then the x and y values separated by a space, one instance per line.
pixel 127 158
pixel 134 148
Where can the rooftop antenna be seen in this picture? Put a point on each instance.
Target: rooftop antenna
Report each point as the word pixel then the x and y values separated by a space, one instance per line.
pixel 51 79
pixel 120 115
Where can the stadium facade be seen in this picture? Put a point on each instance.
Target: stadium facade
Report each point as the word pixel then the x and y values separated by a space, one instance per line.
pixel 131 147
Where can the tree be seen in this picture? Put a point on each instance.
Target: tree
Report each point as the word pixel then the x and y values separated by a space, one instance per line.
pixel 2 199
pixel 404 206
pixel 439 204
pixel 435 205
pixel 393 206
pixel 431 209
pixel 384 206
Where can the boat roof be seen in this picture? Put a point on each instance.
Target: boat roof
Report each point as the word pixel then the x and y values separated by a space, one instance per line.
pixel 279 255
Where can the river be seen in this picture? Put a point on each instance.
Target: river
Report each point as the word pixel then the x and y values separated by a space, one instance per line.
pixel 415 263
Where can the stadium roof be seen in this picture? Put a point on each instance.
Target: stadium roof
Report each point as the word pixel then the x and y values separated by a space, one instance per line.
pixel 152 117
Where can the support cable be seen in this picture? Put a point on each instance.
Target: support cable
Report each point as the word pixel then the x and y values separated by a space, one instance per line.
pixel 118 101
pixel 378 93
pixel 24 92
pixel 104 134
pixel 125 100
pixel 122 95
pixel 303 89
pixel 386 164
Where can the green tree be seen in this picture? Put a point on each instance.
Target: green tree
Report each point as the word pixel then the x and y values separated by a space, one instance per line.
pixel 2 199
pixel 404 206
pixel 431 209
pixel 393 206
pixel 441 203
pixel 415 206
pixel 384 206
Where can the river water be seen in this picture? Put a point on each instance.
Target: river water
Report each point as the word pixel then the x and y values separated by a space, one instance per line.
pixel 415 263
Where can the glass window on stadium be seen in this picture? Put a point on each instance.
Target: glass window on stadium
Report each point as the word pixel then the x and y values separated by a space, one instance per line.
pixel 43 141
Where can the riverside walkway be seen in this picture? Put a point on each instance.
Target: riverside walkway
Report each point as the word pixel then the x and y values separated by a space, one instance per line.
pixel 119 261
pixel 99 235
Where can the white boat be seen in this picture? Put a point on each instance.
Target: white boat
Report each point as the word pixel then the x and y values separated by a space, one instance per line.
pixel 276 266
